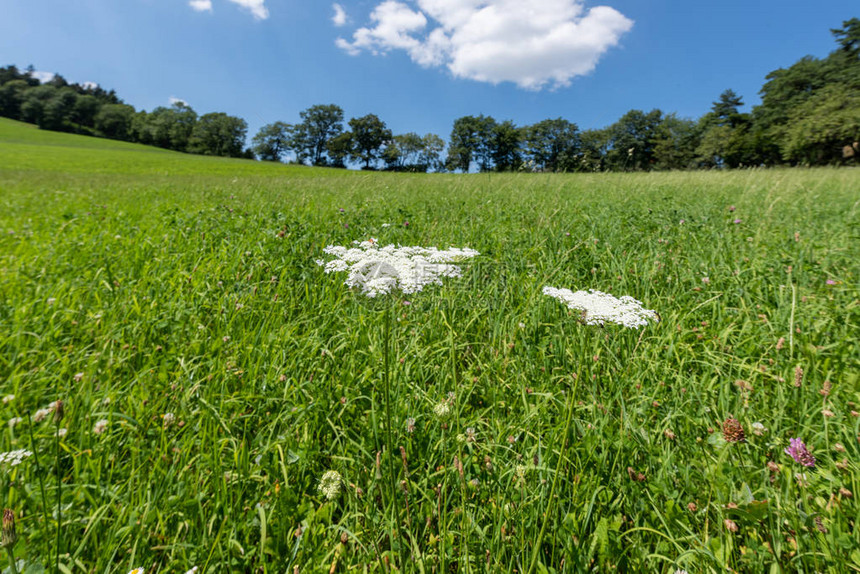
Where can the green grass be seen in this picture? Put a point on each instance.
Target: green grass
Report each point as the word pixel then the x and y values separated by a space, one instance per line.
pixel 137 282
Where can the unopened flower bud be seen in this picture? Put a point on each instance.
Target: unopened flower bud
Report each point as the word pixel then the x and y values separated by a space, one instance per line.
pixel 10 536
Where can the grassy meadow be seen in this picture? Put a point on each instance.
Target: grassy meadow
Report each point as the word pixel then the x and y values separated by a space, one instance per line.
pixel 210 372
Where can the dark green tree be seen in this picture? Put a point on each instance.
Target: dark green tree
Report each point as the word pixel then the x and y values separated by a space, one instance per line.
pixel 369 135
pixel 273 141
pixel 552 145
pixel 319 125
pixel 505 152
pixel 114 121
pixel 218 134
pixel 676 143
pixel 631 141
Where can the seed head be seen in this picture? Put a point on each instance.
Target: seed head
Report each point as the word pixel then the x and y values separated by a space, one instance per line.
pixel 798 376
pixel 733 431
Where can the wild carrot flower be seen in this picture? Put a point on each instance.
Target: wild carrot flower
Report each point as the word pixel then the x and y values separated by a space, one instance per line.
pixel 329 485
pixel 378 270
pixel 798 451
pixel 14 457
pixel 598 308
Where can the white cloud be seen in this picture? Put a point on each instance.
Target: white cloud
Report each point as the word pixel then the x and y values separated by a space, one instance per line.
pixel 173 101
pixel 339 19
pixel 532 43
pixel 201 5
pixel 43 77
pixel 255 7
pixel 89 85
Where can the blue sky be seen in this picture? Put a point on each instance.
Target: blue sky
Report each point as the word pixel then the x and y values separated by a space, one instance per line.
pixel 420 64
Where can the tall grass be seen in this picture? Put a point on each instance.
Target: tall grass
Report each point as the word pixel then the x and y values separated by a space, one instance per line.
pixel 131 293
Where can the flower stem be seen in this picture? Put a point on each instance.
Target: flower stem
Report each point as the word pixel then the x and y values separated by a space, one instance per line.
pixel 59 497
pixel 12 566
pixel 389 445
pixel 41 480
pixel 558 470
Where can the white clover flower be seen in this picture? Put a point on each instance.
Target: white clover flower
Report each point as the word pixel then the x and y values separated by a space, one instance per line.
pixel 100 426
pixel 51 300
pixel 329 485
pixel 13 422
pixel 442 410
pixel 758 429
pixel 378 270
pixel 598 308
pixel 167 419
pixel 192 571
pixel 14 457
pixel 40 415
pixel 8 399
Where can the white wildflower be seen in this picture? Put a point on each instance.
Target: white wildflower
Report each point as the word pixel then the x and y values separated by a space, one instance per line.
pixel 40 415
pixel 378 270
pixel 329 485
pixel 598 308
pixel 167 419
pixel 758 429
pixel 51 300
pixel 14 457
pixel 192 571
pixel 136 571
pixel 8 399
pixel 442 410
pixel 100 426
pixel 62 432
pixel 13 422
pixel 386 225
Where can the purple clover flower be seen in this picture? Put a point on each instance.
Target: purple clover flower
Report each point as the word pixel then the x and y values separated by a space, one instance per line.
pixel 737 221
pixel 830 282
pixel 797 450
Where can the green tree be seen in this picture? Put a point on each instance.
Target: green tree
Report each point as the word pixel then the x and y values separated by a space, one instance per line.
pixel 85 110
pixel 273 141
pixel 369 135
pixel 594 145
pixel 319 125
pixel 11 97
pixel 403 151
pixel 430 156
pixel 676 143
pixel 114 120
pixel 823 126
pixel 553 145
pixel 631 141
pixel 471 141
pixel 505 152
pixel 338 149
pixel 218 134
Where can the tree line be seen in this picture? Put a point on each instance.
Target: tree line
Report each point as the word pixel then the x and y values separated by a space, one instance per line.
pixel 809 115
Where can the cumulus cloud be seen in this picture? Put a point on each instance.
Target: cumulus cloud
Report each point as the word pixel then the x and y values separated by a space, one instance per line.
pixel 173 101
pixel 201 5
pixel 532 43
pixel 339 19
pixel 255 7
pixel 43 77
pixel 89 85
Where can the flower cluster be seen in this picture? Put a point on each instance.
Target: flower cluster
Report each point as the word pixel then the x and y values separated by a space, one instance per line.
pixel 377 270
pixel 329 485
pixel 798 451
pixel 598 308
pixel 14 457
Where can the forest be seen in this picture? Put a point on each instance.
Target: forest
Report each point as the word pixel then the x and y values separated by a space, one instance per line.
pixel 809 115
